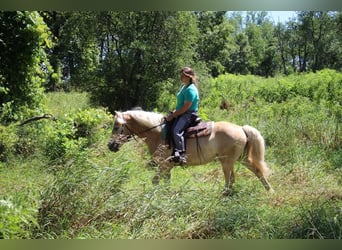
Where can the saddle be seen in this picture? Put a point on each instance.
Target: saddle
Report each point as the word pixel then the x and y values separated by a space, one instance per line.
pixel 199 128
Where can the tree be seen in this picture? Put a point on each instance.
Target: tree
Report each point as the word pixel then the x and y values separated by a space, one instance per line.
pixel 270 61
pixel 282 44
pixel 215 40
pixel 75 58
pixel 240 55
pixel 310 42
pixel 140 50
pixel 256 17
pixel 258 44
pixel 24 67
pixel 334 48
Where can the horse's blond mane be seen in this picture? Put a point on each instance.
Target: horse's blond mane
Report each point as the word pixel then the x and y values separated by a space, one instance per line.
pixel 145 118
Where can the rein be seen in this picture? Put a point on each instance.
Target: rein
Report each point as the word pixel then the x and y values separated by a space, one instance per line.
pixel 143 131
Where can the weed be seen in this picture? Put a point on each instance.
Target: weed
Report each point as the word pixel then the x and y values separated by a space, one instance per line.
pixel 319 220
pixel 59 180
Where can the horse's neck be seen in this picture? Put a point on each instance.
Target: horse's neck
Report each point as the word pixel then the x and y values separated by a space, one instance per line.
pixel 153 141
pixel 139 128
pixel 151 136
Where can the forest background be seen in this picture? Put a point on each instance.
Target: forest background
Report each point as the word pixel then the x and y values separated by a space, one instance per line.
pixel 71 70
pixel 138 54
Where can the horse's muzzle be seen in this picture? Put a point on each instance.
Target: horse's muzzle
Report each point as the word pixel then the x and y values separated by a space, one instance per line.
pixel 113 146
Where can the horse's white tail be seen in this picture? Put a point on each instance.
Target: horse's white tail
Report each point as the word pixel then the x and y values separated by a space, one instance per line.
pixel 255 152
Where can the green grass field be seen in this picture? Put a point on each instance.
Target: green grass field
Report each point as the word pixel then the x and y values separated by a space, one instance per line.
pixel 60 181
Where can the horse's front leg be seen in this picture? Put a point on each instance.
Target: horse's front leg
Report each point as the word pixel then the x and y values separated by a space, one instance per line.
pixel 164 172
pixel 156 178
pixel 227 167
pixel 228 188
pixel 160 157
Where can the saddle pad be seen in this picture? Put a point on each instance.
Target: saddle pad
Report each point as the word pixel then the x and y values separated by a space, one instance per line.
pixel 201 129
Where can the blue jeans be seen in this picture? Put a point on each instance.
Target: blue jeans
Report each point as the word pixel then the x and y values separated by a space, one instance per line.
pixel 179 125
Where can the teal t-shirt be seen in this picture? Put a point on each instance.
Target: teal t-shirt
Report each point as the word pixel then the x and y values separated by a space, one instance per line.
pixel 188 94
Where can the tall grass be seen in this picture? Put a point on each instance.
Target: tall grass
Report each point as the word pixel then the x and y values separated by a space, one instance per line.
pixel 85 191
pixel 63 103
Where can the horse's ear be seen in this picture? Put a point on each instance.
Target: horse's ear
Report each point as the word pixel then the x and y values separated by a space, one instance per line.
pixel 119 117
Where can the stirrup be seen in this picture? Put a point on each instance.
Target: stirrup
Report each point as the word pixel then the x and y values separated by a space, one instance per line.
pixel 175 160
pixel 182 161
pixel 179 159
pixel 176 157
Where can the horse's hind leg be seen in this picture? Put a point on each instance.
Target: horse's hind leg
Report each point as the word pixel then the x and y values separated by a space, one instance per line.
pixel 227 167
pixel 260 169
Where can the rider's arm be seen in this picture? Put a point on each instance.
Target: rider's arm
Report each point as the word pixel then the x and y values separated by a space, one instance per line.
pixel 182 110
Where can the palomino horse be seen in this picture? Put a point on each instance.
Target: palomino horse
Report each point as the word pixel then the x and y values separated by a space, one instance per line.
pixel 227 142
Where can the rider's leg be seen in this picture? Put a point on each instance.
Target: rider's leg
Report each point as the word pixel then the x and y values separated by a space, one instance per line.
pixel 178 128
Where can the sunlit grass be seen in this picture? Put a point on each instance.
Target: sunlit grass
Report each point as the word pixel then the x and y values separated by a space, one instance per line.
pixel 61 103
pixel 96 193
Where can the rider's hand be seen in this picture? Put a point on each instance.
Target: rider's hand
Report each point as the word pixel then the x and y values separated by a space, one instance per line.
pixel 170 117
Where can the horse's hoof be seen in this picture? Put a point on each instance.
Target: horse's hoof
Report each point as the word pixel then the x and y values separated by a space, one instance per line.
pixel 155 180
pixel 227 192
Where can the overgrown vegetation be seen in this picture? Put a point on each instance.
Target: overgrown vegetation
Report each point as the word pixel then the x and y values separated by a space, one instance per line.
pixel 24 65
pixel 59 180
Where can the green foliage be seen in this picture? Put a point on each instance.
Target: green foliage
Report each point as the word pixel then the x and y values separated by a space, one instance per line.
pixel 75 128
pixel 123 58
pixel 60 144
pixel 74 132
pixel 214 40
pixel 23 66
pixel 233 88
pixel 90 120
pixel 72 186
pixel 59 103
pixel 145 49
pixel 167 98
pixel 319 220
pixel 75 57
pixel 72 201
pixel 8 138
pixel 16 221
pixel 292 102
pixel 28 138
pixel 19 196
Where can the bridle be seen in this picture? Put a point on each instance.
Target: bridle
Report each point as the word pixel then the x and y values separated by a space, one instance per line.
pixel 143 131
pixel 132 134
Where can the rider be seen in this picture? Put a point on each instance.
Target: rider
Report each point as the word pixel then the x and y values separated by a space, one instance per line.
pixel 185 113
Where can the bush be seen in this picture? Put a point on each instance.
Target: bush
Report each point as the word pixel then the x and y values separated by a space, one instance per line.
pixel 89 122
pixel 59 143
pixel 94 193
pixel 8 139
pixel 74 132
pixel 78 196
pixel 24 38
pixel 16 221
pixel 319 220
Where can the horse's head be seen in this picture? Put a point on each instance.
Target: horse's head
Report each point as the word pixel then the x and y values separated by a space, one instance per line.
pixel 134 122
pixel 120 133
